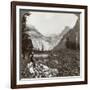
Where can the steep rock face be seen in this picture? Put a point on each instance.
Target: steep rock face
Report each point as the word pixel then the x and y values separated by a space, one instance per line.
pixel 71 39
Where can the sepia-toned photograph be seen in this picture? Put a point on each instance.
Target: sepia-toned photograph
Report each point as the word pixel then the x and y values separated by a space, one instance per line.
pixel 48 44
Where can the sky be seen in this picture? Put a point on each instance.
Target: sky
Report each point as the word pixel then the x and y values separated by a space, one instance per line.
pixel 51 23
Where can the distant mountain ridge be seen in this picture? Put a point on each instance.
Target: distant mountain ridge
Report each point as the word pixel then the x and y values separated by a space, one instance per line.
pixel 41 42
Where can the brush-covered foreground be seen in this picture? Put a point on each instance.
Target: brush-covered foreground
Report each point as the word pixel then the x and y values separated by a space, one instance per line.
pixel 65 62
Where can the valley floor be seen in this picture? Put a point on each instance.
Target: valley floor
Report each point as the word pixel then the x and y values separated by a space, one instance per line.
pixel 65 62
